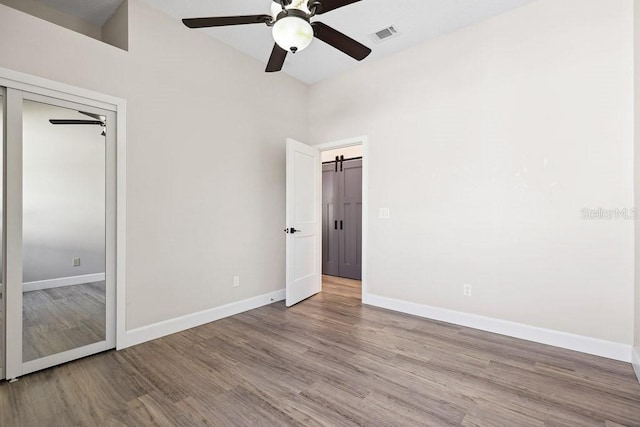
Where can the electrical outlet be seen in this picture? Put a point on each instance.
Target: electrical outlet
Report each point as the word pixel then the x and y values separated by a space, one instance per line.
pixel 467 290
pixel 385 213
pixel 75 262
pixel 236 281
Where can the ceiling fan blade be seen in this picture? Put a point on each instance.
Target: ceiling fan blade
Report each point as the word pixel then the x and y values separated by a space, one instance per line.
pixel 95 116
pixel 340 41
pixel 75 122
pixel 276 60
pixel 324 6
pixel 221 21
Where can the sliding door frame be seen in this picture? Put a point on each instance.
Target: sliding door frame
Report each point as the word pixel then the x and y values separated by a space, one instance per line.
pixel 21 86
pixel 12 228
pixel 3 343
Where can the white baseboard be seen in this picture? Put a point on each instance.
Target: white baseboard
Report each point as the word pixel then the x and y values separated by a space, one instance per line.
pixel 635 361
pixel 171 326
pixel 63 281
pixel 611 350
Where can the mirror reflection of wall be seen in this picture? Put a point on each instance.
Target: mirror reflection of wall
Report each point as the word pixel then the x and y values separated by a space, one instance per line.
pixel 64 195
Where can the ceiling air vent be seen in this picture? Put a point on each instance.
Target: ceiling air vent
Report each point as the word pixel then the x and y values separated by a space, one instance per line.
pixel 384 34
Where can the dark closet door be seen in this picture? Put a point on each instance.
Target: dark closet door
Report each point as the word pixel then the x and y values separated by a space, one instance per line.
pixel 350 218
pixel 330 242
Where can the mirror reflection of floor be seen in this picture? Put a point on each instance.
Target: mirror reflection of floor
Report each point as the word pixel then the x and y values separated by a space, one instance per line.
pixel 61 319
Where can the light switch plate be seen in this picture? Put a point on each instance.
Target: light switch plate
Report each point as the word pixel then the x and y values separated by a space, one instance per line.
pixel 385 213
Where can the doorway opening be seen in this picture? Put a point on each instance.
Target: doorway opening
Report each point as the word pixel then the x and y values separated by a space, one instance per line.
pixel 343 208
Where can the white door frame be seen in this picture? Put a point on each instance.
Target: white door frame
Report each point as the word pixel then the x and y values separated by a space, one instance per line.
pixel 350 142
pixel 39 86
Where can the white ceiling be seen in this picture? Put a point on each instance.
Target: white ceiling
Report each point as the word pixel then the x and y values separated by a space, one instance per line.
pixel 96 12
pixel 416 20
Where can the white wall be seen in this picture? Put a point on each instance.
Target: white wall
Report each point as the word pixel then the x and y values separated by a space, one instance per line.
pixel 41 10
pixel 348 153
pixel 205 154
pixel 116 30
pixel 486 144
pixel 64 195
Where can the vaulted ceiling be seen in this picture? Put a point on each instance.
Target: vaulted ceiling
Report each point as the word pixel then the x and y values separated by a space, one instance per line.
pixel 416 21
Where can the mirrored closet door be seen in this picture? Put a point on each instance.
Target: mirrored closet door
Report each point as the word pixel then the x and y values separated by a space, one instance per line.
pixel 61 232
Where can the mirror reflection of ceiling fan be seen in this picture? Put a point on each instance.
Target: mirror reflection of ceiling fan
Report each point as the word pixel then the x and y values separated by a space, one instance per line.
pixel 98 121
pixel 292 28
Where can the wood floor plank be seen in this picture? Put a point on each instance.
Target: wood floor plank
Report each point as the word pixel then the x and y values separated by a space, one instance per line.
pixel 328 361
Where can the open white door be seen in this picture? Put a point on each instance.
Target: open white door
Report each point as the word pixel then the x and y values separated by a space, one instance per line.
pixel 304 227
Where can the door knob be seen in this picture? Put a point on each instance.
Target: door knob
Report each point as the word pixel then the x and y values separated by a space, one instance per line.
pixel 291 230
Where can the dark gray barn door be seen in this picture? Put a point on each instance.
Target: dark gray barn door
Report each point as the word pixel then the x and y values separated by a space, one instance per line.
pixel 330 242
pixel 350 196
pixel 342 219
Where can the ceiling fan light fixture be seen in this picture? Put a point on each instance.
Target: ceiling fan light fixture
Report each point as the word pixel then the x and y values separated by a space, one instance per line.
pixel 292 29
pixel 292 33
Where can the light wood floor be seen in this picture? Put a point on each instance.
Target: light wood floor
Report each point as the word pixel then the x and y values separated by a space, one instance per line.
pixel 329 361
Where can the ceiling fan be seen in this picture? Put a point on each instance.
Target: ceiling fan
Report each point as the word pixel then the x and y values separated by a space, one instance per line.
pixel 292 28
pixel 98 121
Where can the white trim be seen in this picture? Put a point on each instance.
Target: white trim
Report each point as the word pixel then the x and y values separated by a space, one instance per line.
pixel 64 357
pixel 62 281
pixel 3 304
pixel 597 347
pixel 349 142
pixel 53 89
pixel 121 224
pixel 12 218
pixel 178 324
pixel 635 362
